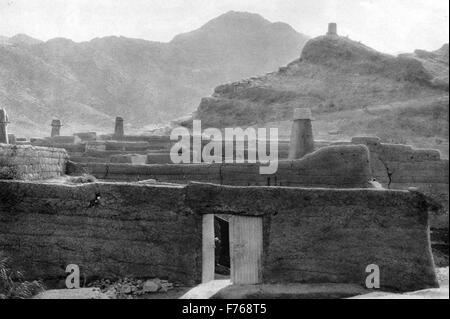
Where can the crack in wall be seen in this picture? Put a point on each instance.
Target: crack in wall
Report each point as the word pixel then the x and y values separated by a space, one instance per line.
pixel 388 172
pixel 106 172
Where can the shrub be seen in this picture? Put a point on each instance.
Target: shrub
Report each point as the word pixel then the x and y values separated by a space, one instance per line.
pixel 12 283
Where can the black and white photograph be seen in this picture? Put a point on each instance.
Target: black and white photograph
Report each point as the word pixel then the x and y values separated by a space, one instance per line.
pixel 220 156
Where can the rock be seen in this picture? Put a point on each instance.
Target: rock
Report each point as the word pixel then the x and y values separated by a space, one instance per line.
pixel 163 289
pixel 166 286
pixel 443 276
pixel 151 286
pixel 126 289
pixel 111 293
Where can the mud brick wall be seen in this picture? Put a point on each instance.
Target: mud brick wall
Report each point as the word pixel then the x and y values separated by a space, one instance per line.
pixel 401 167
pixel 335 166
pixel 144 230
pixel 132 230
pixel 126 146
pixel 25 162
pixel 135 159
pixel 331 236
pixel 69 147
pixel 157 149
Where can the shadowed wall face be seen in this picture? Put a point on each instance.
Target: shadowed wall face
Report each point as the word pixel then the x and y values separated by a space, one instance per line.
pixel 108 230
pixel 309 235
pixel 313 242
pixel 331 236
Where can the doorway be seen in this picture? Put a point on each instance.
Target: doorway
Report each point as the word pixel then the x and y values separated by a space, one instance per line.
pixel 222 246
pixel 244 245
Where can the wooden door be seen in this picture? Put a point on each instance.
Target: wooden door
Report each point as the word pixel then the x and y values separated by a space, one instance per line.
pixel 246 246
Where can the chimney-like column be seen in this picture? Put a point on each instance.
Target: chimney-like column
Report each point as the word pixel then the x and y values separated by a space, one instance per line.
pixel 3 127
pixel 302 140
pixel 56 128
pixel 332 29
pixel 12 139
pixel 118 130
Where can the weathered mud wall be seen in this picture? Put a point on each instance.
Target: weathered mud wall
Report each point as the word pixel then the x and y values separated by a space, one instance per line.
pixel 310 235
pixel 25 162
pixel 336 166
pixel 331 236
pixel 401 167
pixel 141 230
pixel 158 151
pixel 108 230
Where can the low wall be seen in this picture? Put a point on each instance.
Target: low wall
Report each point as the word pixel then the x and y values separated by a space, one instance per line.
pixel 126 146
pixel 402 167
pixel 25 162
pixel 331 236
pixel 335 166
pixel 69 147
pixel 131 230
pixel 135 159
pixel 142 230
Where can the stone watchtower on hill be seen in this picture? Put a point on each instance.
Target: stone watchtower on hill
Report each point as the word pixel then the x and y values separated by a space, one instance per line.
pixel 332 29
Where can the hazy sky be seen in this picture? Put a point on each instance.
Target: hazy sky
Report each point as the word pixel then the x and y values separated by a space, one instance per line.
pixel 386 25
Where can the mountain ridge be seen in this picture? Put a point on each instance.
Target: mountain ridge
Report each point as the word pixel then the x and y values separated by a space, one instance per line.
pixel 88 84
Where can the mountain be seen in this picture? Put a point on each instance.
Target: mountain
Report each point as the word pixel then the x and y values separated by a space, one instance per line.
pixel 88 84
pixel 352 90
pixel 23 39
pixel 19 39
pixel 436 62
pixel 238 41
pixel 4 40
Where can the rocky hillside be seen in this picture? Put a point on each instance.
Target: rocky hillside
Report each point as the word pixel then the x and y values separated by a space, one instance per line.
pixel 88 84
pixel 435 62
pixel 351 88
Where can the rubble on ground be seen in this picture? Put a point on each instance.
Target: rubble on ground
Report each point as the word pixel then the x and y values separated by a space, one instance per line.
pixel 129 288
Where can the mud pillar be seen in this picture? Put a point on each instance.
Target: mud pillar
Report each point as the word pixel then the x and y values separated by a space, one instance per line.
pixel 302 140
pixel 118 130
pixel 12 139
pixel 3 127
pixel 56 128
pixel 332 29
